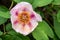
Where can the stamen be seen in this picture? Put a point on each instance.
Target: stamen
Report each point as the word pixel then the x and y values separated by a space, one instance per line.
pixel 24 17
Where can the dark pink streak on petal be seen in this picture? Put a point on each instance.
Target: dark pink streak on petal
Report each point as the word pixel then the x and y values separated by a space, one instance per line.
pixel 15 22
pixel 16 13
pixel 23 25
pixel 24 9
pixel 32 15
pixel 30 25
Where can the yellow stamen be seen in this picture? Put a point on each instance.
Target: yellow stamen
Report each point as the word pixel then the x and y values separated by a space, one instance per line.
pixel 24 17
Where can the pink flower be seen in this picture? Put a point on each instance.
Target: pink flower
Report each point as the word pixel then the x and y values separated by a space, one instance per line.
pixel 24 19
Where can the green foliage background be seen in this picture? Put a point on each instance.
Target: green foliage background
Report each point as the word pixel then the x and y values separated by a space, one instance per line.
pixel 48 29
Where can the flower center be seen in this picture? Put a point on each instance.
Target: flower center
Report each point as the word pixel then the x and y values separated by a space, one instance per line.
pixel 24 17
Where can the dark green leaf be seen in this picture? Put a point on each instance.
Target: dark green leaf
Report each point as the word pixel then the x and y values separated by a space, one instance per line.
pixel 4 12
pixel 9 27
pixel 58 16
pixel 56 2
pixel 55 38
pixel 40 3
pixel 10 37
pixel 17 34
pixel 12 32
pixel 57 27
pixel 2 20
pixel 24 37
pixel 1 33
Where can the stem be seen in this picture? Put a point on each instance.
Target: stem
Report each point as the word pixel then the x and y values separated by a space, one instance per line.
pixel 11 5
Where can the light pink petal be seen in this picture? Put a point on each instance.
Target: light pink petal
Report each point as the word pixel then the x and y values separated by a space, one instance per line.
pixel 13 19
pixel 36 16
pixel 34 24
pixel 23 5
pixel 20 29
pixel 15 12
pixel 28 29
pixel 17 28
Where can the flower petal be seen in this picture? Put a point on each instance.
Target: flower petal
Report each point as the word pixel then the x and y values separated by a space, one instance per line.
pixel 28 29
pixel 20 29
pixel 34 24
pixel 23 5
pixel 13 18
pixel 15 12
pixel 37 17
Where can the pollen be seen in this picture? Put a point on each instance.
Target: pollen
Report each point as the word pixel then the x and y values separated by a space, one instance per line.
pixel 24 17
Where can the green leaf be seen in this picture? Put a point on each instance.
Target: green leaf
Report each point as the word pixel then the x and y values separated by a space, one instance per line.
pixel 2 20
pixel 12 32
pixel 18 1
pixel 9 27
pixel 10 37
pixel 55 38
pixel 39 35
pixel 24 37
pixel 1 33
pixel 57 27
pixel 29 1
pixel 4 12
pixel 58 16
pixel 56 2
pixel 40 3
pixel 19 35
pixel 0 38
pixel 43 26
